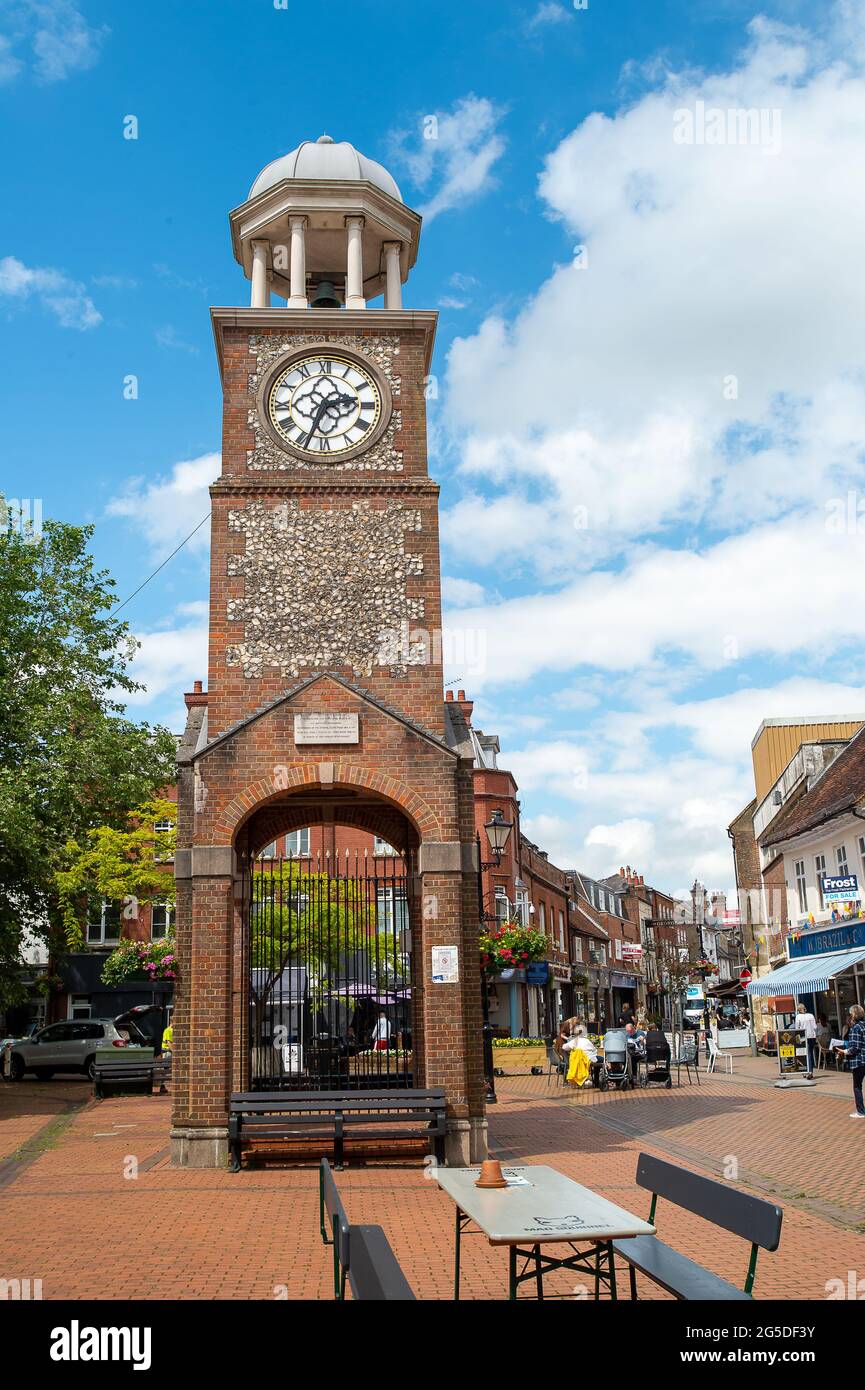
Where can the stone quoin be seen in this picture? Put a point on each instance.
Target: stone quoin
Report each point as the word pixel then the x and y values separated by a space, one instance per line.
pixel 325 614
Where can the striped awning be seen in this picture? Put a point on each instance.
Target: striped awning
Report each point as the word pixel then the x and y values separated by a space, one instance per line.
pixel 807 975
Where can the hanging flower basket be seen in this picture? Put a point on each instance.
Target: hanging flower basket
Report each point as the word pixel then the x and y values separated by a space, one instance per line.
pixel 146 961
pixel 511 947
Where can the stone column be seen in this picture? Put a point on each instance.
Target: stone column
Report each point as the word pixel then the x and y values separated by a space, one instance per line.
pixel 393 283
pixel 354 265
pixel 260 288
pixel 297 299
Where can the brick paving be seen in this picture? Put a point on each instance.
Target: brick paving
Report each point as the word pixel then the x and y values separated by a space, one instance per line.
pixel 74 1213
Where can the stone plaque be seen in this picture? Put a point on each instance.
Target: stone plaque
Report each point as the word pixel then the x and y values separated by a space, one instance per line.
pixel 326 728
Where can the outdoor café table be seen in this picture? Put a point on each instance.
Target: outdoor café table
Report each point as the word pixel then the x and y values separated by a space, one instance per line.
pixel 540 1207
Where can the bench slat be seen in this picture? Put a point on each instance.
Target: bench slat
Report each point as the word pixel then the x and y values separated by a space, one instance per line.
pixel 674 1272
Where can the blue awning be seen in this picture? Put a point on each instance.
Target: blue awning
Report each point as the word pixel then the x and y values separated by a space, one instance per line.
pixel 807 975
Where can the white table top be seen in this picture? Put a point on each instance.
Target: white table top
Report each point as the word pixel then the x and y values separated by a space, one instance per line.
pixel 538 1205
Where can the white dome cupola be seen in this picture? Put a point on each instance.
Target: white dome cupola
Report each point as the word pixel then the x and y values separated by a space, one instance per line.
pixel 325 224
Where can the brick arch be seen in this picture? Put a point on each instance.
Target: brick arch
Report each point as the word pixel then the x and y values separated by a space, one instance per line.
pixel 278 789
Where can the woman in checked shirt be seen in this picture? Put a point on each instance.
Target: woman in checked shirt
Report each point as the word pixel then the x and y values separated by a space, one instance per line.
pixel 855 1054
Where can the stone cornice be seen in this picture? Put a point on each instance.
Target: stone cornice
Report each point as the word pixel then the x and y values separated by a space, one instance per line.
pixel 278 485
pixel 326 321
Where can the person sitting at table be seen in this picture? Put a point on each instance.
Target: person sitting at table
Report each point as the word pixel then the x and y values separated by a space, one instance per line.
pixel 583 1060
pixel 656 1038
pixel 567 1027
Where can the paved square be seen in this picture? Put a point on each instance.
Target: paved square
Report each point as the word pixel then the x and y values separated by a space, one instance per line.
pixel 132 1226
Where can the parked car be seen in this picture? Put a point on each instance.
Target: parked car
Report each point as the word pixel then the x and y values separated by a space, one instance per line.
pixel 68 1046
pixel 19 1037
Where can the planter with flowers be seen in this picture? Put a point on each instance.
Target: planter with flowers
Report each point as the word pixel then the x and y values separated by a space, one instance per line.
pixel 149 961
pixel 702 969
pixel 517 1056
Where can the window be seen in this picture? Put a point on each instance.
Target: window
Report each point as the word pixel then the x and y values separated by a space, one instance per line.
pixel 87 1030
pixel 381 846
pixel 297 843
pixel 542 917
pixel 522 907
pixel 561 931
pixel 841 859
pixel 161 920
pixel 58 1032
pixel 502 906
pixel 103 923
pixel 618 949
pixel 161 826
pixel 819 870
pixel 801 887
pixel 862 855
pixel 597 953
pixel 578 948
pixel 392 914
pixel 80 1006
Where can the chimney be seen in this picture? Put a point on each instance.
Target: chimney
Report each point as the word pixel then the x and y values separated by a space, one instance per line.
pixel 195 696
pixel 465 705
pixel 449 695
pixel 622 871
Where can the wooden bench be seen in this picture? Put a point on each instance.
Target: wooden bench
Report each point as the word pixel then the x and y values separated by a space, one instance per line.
pixel 752 1218
pixel 336 1116
pixel 360 1253
pixel 116 1076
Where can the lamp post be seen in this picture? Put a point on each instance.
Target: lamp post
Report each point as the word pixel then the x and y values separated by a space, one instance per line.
pixel 498 832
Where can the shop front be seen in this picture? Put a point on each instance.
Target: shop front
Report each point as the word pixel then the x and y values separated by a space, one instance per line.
pixel 624 991
pixel 825 971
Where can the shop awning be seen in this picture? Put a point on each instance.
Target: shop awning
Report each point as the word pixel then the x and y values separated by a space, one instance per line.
pixel 807 975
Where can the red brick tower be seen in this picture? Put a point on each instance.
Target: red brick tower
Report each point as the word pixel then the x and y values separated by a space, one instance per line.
pixel 324 701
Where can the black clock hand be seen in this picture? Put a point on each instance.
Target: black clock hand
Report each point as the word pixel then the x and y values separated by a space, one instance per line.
pixel 314 426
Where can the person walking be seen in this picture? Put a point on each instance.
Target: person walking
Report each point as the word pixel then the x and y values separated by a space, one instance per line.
pixel 806 1023
pixel 855 1055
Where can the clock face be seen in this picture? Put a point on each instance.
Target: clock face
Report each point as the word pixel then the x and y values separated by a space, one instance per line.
pixel 324 406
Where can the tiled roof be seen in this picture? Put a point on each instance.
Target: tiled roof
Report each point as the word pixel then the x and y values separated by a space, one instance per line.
pixel 841 787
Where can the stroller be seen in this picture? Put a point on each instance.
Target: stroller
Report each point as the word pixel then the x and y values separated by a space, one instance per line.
pixel 616 1069
pixel 656 1065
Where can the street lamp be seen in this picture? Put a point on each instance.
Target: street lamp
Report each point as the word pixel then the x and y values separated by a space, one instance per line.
pixel 498 832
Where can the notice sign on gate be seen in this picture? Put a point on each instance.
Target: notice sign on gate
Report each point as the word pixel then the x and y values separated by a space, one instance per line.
pixel 445 965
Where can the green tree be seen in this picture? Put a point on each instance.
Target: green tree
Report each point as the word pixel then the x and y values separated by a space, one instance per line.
pixel 129 866
pixel 69 759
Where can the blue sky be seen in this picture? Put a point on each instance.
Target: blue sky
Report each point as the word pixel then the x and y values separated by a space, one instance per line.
pixel 655 440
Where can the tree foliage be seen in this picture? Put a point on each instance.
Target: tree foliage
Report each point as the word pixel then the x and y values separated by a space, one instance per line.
pixel 127 865
pixel 69 758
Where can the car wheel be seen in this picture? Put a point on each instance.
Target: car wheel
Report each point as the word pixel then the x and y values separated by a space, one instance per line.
pixel 16 1068
pixel 43 1074
pixel 90 1068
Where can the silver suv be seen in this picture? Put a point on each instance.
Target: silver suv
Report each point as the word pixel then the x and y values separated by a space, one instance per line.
pixel 69 1046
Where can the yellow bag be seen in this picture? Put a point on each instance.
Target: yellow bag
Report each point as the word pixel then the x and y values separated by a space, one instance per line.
pixel 578 1067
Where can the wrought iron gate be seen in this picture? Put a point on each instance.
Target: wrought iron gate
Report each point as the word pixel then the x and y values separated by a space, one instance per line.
pixel 327 947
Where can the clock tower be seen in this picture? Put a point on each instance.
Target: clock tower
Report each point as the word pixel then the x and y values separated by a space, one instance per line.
pixel 325 704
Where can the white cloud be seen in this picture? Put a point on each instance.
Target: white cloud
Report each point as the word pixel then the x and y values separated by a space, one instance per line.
pixel 59 39
pixel 168 337
pixel 612 391
pixel 457 593
pixel 548 13
pixel 456 149
pixel 168 661
pixel 65 298
pixel 165 511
